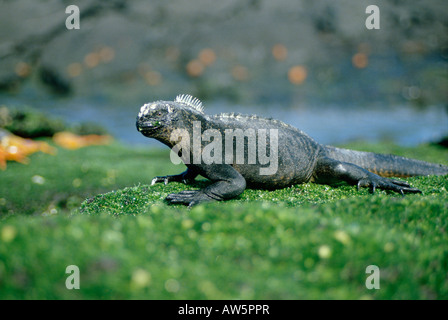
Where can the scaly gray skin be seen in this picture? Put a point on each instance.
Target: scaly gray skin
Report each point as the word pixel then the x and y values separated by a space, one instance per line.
pixel 300 158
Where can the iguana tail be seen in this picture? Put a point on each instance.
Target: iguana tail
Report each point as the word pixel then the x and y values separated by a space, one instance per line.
pixel 387 165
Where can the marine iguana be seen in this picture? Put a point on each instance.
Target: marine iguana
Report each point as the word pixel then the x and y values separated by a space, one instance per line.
pixel 299 158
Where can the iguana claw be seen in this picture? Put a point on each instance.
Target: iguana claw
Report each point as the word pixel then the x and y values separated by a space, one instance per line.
pixel 188 197
pixel 373 181
pixel 183 177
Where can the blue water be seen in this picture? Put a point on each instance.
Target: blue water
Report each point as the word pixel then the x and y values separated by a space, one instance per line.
pixel 326 124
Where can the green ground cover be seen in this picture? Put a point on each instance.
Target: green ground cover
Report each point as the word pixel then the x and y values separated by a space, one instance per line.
pixel 93 208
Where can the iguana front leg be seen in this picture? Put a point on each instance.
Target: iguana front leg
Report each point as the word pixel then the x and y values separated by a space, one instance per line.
pixel 227 183
pixel 329 171
pixel 186 177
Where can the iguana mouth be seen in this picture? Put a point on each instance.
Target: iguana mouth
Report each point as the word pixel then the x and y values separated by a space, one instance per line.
pixel 148 126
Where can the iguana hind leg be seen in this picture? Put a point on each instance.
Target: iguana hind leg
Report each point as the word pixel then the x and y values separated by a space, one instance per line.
pixel 329 171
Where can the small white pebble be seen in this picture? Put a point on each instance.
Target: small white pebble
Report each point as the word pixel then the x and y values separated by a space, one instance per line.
pixel 324 252
pixel 38 179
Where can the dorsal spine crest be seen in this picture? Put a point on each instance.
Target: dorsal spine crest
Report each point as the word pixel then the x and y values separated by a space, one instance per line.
pixel 190 101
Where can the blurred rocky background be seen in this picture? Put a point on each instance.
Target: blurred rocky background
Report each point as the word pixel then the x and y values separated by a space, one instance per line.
pixel 286 53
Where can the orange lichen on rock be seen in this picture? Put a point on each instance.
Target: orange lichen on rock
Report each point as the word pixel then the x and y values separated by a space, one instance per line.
pixel 2 158
pixel 12 153
pixel 14 148
pixel 28 146
pixel 72 141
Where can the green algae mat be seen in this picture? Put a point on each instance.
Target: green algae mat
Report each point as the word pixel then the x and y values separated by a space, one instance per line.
pixel 93 208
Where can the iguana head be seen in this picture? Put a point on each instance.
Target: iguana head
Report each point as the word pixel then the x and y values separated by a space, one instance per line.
pixel 154 116
pixel 158 119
